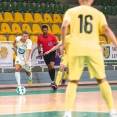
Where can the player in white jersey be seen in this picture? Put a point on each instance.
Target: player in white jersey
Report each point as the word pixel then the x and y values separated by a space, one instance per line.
pixel 23 58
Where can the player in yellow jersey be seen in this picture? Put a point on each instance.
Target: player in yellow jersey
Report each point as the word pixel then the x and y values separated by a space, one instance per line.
pixel 86 23
pixel 64 61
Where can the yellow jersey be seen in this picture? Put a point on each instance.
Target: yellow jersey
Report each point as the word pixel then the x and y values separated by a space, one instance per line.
pixel 85 26
pixel 67 39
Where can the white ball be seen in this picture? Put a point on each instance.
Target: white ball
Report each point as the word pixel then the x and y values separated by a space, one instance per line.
pixel 21 90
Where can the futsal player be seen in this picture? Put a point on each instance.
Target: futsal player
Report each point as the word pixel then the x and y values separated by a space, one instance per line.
pixel 23 58
pixel 86 23
pixel 48 41
pixel 64 61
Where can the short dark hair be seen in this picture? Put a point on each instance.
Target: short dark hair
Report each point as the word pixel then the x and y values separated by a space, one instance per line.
pixel 25 32
pixel 44 26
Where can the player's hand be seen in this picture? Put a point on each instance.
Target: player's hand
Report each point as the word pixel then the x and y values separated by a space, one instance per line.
pixel 26 63
pixel 40 54
pixel 14 49
pixel 62 49
pixel 46 53
pixel 57 54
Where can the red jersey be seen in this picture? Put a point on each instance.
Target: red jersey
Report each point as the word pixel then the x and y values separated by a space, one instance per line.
pixel 47 42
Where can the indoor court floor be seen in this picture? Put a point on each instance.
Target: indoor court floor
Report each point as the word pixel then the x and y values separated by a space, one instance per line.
pixel 44 102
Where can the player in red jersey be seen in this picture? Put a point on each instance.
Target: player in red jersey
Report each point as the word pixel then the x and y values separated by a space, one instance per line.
pixel 48 41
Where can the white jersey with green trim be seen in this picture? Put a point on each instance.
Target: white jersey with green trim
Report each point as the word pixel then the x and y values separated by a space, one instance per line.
pixel 23 47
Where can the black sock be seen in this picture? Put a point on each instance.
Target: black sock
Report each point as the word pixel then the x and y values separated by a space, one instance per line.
pixel 52 74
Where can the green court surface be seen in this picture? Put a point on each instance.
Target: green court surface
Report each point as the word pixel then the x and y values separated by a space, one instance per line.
pixel 58 114
pixel 51 91
pixel 55 113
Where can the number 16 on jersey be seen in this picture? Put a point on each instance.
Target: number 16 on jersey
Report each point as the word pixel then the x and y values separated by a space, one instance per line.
pixel 85 25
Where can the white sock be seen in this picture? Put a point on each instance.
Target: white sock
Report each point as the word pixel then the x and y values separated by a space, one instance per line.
pixel 30 77
pixel 113 111
pixel 17 76
pixel 68 113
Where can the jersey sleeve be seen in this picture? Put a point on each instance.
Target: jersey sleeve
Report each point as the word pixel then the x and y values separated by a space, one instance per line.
pixel 67 16
pixel 102 23
pixel 54 39
pixel 38 41
pixel 29 45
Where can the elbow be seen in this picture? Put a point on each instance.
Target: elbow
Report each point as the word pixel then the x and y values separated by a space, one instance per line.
pixel 64 25
pixel 106 29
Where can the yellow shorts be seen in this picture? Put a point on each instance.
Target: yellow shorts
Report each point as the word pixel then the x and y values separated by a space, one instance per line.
pixel 95 66
pixel 64 60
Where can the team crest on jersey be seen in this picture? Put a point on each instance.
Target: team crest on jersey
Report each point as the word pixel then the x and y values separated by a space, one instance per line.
pixel 106 51
pixel 21 51
pixel 50 44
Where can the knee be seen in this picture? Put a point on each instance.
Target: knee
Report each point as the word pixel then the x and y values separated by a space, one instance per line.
pixel 61 68
pixel 101 80
pixel 52 66
pixel 17 68
pixel 49 68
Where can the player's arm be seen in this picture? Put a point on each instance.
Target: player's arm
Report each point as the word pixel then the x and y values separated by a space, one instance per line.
pixel 39 47
pixel 14 46
pixel 109 33
pixel 53 49
pixel 14 43
pixel 28 51
pixel 64 27
pixel 28 54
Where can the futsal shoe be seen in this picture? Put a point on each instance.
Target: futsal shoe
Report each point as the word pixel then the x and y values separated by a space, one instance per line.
pixel 54 86
pixel 30 82
pixel 63 82
pixel 67 115
pixel 113 114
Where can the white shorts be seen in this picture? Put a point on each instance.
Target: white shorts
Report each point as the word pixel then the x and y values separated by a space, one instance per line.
pixel 21 63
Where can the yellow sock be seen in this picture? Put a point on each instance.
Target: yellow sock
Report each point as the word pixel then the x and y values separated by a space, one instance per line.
pixel 65 76
pixel 58 77
pixel 70 95
pixel 107 94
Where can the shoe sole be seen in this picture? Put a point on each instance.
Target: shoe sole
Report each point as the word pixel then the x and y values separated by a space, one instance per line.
pixel 30 82
pixel 53 87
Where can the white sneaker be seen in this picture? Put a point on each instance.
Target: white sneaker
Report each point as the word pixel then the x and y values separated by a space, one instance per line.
pixel 113 114
pixel 67 114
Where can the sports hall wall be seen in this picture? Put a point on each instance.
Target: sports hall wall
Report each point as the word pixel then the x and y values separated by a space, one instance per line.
pixel 8 76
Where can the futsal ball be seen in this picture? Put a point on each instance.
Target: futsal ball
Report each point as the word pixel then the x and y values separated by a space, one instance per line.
pixel 21 90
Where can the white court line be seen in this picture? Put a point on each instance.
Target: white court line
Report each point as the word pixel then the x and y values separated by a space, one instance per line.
pixel 51 111
pixel 46 94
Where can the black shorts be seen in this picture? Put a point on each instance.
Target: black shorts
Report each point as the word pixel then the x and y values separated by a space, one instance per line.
pixel 49 58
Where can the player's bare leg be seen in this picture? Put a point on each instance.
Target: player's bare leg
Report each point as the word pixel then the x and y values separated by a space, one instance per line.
pixel 107 95
pixel 70 97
